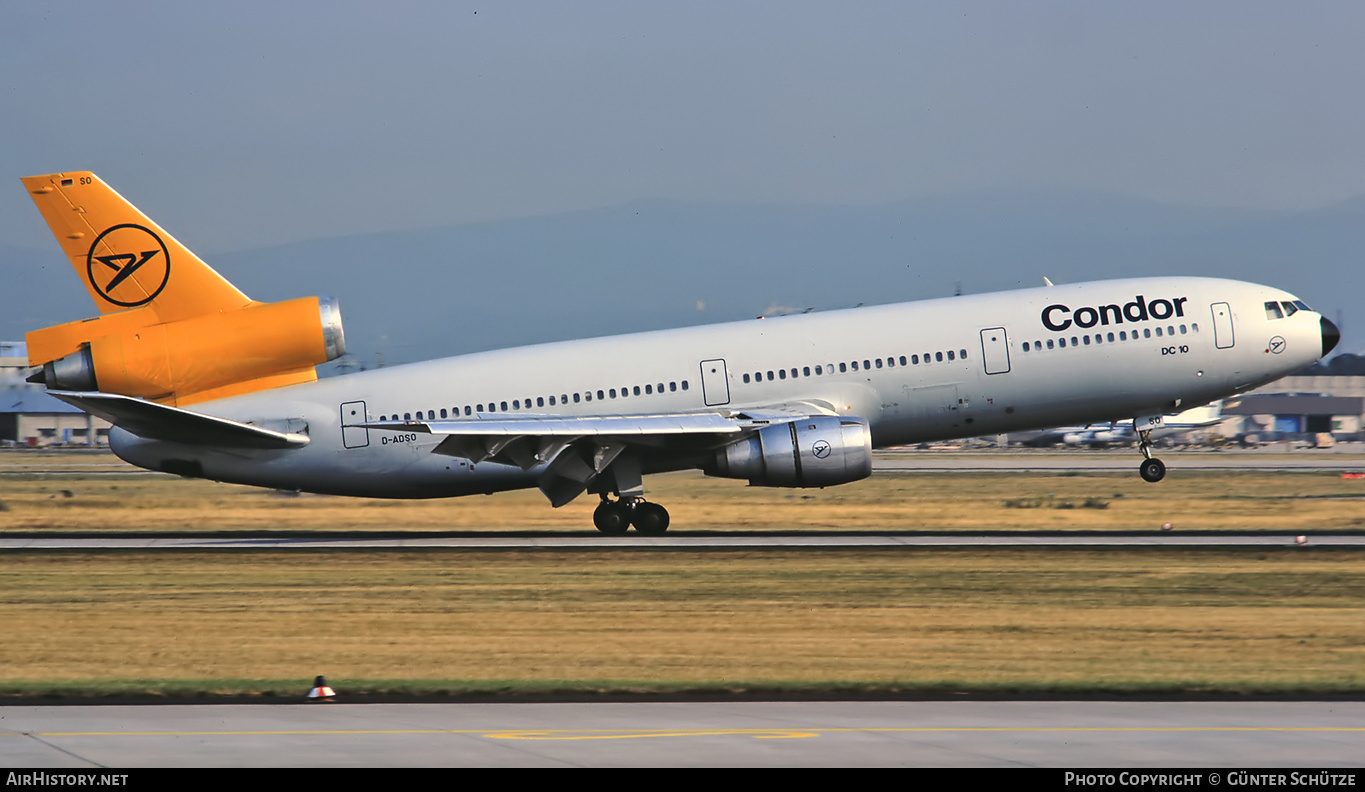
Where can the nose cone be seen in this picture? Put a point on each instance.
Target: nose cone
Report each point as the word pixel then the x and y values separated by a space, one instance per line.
pixel 1330 336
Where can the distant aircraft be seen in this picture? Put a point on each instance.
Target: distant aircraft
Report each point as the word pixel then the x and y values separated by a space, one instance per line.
pixel 1122 432
pixel 199 380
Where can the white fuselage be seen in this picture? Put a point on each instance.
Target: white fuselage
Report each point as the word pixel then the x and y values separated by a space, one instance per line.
pixel 929 370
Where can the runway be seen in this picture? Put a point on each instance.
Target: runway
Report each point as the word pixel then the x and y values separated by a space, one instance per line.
pixel 691 734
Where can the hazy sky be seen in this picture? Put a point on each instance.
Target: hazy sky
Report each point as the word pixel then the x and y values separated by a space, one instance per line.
pixel 250 123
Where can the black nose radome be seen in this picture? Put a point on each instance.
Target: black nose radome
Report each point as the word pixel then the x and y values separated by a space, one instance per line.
pixel 1330 336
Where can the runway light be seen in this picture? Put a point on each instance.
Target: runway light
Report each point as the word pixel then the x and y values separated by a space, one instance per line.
pixel 1165 526
pixel 320 691
pixel 1300 540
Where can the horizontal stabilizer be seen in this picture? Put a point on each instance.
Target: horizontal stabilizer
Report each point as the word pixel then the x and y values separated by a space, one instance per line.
pixel 159 422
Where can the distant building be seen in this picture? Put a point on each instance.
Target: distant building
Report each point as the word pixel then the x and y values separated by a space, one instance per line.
pixel 1328 396
pixel 30 417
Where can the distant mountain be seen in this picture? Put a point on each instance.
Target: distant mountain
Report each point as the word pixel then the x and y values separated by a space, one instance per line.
pixel 417 294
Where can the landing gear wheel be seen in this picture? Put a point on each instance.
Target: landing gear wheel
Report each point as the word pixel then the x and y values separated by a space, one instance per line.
pixel 612 518
pixel 1152 470
pixel 650 519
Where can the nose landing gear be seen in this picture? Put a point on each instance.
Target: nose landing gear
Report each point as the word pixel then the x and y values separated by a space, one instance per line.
pixel 1151 469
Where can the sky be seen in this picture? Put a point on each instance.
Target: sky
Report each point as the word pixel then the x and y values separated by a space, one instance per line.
pixel 255 123
pixel 245 125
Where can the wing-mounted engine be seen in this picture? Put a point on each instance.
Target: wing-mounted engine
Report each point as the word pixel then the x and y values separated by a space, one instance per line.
pixel 818 451
pixel 211 356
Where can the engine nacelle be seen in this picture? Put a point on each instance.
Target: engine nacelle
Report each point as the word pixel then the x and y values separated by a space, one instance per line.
pixel 204 356
pixel 819 451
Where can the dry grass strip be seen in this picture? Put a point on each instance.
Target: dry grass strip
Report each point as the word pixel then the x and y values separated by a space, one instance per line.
pixel 1290 619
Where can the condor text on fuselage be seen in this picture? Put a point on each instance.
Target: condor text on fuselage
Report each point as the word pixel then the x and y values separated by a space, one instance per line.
pixel 200 380
pixel 1060 317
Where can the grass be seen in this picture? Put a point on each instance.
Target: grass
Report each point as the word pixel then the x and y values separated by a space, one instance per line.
pixel 1289 620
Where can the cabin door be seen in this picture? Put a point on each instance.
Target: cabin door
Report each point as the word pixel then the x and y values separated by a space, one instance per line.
pixel 995 350
pixel 715 382
pixel 354 436
pixel 1222 326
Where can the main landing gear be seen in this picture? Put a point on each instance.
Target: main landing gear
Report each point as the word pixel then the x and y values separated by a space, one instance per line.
pixel 1151 469
pixel 615 517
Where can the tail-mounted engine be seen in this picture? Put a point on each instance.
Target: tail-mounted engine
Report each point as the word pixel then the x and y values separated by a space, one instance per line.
pixel 196 359
pixel 819 451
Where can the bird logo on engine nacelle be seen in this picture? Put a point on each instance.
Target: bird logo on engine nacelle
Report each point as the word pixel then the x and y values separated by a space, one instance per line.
pixel 821 449
pixel 128 265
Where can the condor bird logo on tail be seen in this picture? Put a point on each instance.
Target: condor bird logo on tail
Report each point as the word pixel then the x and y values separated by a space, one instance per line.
pixel 152 267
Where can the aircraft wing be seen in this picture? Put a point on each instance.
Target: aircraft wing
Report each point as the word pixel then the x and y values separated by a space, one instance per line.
pixel 160 422
pixel 529 440
pixel 576 450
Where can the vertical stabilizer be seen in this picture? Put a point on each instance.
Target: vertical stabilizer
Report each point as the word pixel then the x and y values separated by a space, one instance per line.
pixel 124 259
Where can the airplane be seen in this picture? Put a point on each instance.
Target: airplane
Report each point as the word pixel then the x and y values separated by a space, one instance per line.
pixel 201 381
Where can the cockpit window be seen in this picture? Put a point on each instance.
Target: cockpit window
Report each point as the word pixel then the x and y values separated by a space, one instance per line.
pixel 1289 308
pixel 1272 311
pixel 1301 306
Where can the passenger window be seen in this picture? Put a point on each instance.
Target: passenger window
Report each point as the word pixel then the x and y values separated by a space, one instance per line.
pixel 914 360
pixel 502 406
pixel 746 379
pixel 587 396
pixel 600 396
pixel 950 354
pixel 516 404
pixel 540 401
pixel 649 389
pixel 805 370
pixel 1049 343
pixel 637 390
pixel 1183 330
pixel 879 362
pixel 672 386
pixel 902 360
pixel 1086 339
pixel 938 357
pixel 854 364
pixel 612 392
pixel 576 398
pixel 1061 342
pixel 843 367
pixel 781 373
pixel 1111 338
pixel 1146 332
pixel 962 353
pixel 1025 346
pixel 819 371
pixel 443 412
pixel 468 411
pixel 684 384
pixel 867 364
